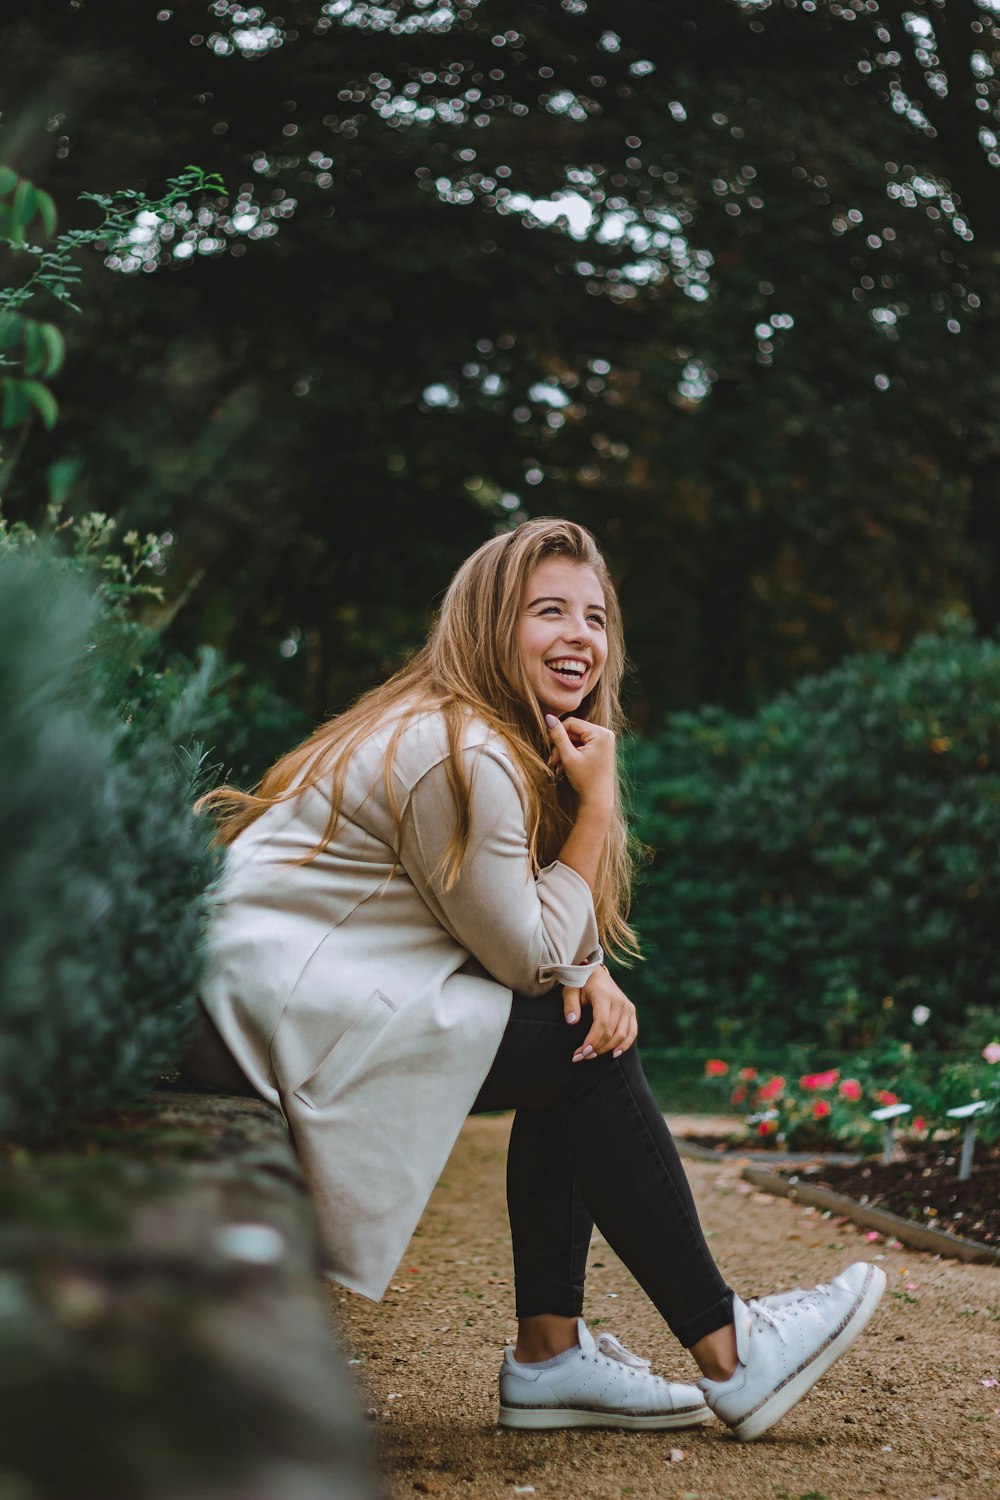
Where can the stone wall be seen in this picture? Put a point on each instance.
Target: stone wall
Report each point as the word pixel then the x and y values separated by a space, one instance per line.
pixel 164 1333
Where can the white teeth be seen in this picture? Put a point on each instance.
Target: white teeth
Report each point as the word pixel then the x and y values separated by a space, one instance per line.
pixel 568 667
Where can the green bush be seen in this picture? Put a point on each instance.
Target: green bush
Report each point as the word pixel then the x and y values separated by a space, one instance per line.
pixel 103 867
pixel 824 867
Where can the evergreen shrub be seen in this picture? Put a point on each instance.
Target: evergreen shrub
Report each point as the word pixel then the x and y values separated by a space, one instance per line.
pixel 828 870
pixel 103 866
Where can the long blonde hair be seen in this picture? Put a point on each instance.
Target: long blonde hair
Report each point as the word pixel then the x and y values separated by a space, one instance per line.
pixel 470 667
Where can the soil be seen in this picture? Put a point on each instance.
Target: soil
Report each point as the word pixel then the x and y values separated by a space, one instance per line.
pixel 924 1186
pixel 911 1412
pixel 921 1185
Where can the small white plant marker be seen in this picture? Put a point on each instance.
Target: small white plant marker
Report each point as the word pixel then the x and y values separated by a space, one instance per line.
pixel 969 1113
pixel 887 1116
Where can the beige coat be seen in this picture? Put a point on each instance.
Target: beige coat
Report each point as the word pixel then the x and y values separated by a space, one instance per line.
pixel 369 1009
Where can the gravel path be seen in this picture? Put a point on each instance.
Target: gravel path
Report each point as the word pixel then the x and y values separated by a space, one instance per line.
pixel 904 1415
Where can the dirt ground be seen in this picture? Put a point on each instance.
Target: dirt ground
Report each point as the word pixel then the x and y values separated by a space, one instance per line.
pixel 911 1412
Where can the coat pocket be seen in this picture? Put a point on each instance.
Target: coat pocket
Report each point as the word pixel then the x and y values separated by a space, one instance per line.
pixel 347 1050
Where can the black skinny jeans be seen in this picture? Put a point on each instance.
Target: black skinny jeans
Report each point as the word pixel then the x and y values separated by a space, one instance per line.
pixel 589 1145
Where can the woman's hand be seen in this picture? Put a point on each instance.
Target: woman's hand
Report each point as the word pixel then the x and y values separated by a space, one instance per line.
pixel 614 1027
pixel 586 753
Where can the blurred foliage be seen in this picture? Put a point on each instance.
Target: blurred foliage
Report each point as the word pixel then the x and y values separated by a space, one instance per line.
pixel 32 346
pixel 824 867
pixel 103 867
pixel 719 279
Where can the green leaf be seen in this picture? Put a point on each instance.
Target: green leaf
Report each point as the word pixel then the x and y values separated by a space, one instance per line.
pixel 55 348
pixel 25 203
pixel 11 328
pixel 42 398
pixel 34 348
pixel 15 403
pixel 8 181
pixel 47 210
pixel 6 221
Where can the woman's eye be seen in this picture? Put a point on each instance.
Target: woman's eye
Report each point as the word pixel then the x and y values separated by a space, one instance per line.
pixel 598 621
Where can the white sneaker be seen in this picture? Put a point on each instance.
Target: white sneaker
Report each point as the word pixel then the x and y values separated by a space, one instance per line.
pixel 785 1343
pixel 601 1384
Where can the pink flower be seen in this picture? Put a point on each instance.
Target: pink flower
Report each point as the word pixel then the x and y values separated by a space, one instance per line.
pixel 819 1080
pixel 715 1067
pixel 772 1089
pixel 884 1096
pixel 872 1236
pixel 821 1109
pixel 767 1127
pixel 737 1096
pixel 747 1075
pixel 920 1123
pixel 991 1052
pixel 851 1089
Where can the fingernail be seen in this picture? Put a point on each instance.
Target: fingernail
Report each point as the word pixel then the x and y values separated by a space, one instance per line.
pixel 551 719
pixel 618 1052
pixel 572 1018
pixel 578 1057
pixel 587 1050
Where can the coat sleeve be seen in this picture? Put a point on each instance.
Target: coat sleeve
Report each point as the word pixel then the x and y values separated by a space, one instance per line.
pixel 528 932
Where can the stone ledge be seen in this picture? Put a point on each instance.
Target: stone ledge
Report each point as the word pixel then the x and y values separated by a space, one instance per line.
pixel 162 1315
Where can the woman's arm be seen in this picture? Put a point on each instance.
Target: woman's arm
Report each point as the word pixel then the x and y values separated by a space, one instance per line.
pixel 527 932
pixel 586 753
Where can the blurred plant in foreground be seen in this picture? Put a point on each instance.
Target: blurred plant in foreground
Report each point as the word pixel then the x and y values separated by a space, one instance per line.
pixel 103 867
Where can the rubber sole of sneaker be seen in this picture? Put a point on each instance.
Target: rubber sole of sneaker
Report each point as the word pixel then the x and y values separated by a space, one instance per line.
pixel 802 1380
pixel 539 1418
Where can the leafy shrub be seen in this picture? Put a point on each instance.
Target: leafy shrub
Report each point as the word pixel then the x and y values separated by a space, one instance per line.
pixel 103 867
pixel 829 866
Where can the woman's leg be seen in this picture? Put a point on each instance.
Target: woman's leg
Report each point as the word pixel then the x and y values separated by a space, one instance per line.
pixel 621 1159
pixel 550 1230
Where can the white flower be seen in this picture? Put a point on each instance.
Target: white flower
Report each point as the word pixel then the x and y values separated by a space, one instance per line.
pixel 920 1015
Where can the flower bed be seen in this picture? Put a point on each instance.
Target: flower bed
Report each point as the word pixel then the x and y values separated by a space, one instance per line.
pixel 831 1110
pixel 922 1186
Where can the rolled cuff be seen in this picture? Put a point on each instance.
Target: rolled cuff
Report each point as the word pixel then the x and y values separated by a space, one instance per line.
pixel 574 974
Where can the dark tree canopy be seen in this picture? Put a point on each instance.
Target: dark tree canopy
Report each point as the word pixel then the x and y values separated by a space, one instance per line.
pixel 720 280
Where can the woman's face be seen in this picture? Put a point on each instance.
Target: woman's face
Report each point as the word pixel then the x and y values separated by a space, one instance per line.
pixel 562 633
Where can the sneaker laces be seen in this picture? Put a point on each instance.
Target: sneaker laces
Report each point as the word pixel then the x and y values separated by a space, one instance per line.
pixel 796 1298
pixel 811 1299
pixel 773 1316
pixel 609 1345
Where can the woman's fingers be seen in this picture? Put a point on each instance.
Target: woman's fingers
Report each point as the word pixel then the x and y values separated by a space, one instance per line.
pixel 615 1025
pixel 586 753
pixel 630 1040
pixel 572 1004
pixel 614 1029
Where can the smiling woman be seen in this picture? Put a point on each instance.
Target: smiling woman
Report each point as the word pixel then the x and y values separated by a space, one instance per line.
pixel 409 928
